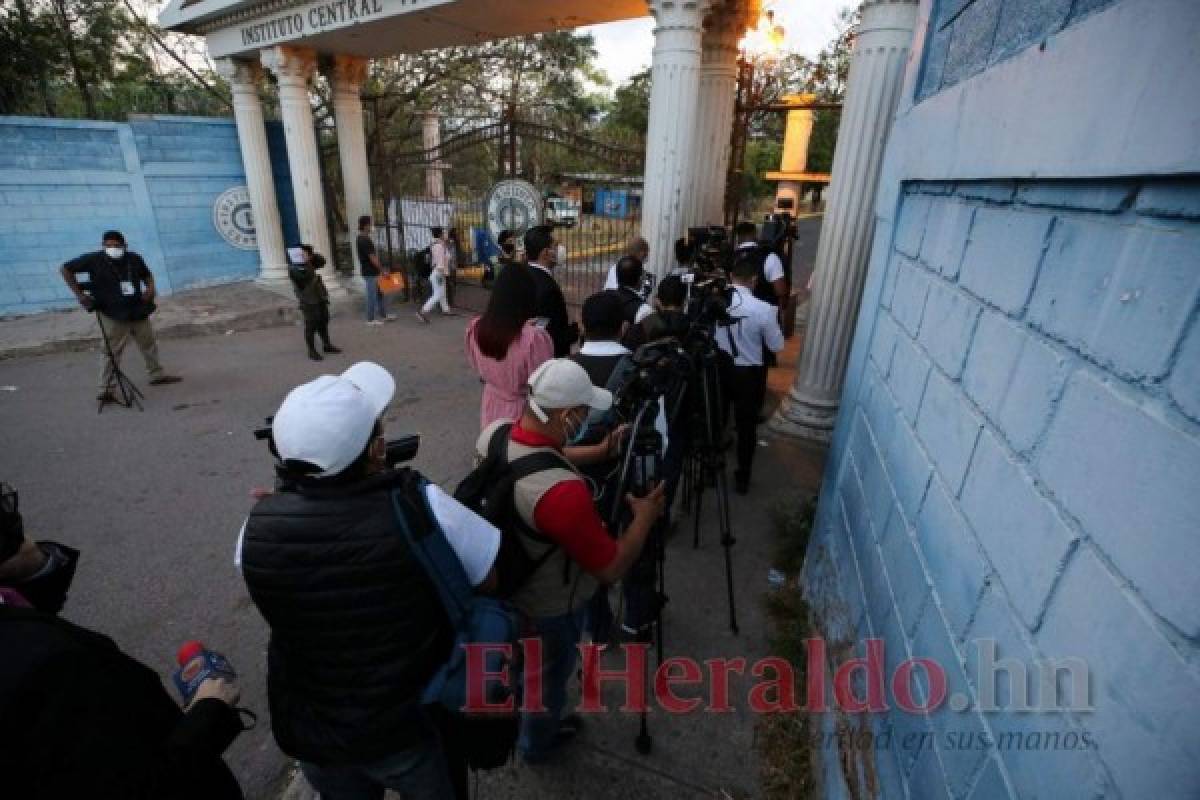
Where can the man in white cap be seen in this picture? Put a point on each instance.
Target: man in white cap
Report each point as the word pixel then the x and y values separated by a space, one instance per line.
pixel 357 628
pixel 562 530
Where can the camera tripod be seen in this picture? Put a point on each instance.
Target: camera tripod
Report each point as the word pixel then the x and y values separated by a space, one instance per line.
pixel 704 462
pixel 641 469
pixel 128 393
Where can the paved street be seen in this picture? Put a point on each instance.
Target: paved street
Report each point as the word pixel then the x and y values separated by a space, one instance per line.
pixel 154 501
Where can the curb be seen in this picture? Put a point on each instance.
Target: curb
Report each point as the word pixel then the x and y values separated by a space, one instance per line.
pixel 272 317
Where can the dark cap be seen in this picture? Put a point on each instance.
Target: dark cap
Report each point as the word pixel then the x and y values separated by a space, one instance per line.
pixel 115 236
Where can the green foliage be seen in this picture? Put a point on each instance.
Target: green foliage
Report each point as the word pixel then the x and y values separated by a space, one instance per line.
pixel 92 58
pixel 629 113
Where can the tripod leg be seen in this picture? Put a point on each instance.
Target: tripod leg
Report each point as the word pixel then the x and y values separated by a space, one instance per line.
pixel 727 542
pixel 644 742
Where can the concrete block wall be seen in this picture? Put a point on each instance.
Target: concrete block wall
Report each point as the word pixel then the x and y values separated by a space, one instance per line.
pixel 187 163
pixel 965 37
pixel 155 178
pixel 1022 466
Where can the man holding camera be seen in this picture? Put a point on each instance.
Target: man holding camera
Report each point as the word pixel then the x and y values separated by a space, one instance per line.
pixel 748 341
pixel 314 301
pixel 118 286
pixel 576 551
pixel 81 718
pixel 357 627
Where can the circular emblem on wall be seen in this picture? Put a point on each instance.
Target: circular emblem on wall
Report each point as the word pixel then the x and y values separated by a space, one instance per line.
pixel 513 205
pixel 234 219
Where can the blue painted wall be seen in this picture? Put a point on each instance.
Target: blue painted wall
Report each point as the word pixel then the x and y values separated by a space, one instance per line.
pixel 966 37
pixel 63 182
pixel 1017 454
pixel 1021 466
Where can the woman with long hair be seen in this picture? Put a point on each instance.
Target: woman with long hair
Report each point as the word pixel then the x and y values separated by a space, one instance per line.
pixel 504 345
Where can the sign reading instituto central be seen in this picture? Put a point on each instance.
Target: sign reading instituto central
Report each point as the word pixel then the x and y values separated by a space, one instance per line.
pixel 314 19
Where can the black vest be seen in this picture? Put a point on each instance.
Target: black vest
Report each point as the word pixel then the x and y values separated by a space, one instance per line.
pixel 357 628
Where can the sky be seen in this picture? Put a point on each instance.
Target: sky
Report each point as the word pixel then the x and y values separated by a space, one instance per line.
pixel 624 47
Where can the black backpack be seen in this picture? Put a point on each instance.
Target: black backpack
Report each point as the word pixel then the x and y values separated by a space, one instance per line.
pixel 488 491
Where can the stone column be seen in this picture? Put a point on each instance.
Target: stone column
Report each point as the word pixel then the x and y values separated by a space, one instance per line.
pixel 294 67
pixel 670 159
pixel 714 114
pixel 796 136
pixel 872 92
pixel 431 138
pixel 346 79
pixel 243 80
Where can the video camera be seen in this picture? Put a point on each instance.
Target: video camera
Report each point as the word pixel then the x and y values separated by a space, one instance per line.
pixel 658 367
pixel 711 246
pixel 399 450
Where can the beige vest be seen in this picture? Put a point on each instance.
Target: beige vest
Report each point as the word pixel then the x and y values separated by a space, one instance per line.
pixel 544 594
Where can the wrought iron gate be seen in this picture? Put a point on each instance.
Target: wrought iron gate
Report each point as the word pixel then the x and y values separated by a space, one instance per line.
pixel 590 186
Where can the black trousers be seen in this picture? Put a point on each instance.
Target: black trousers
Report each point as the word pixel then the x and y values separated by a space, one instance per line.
pixel 746 390
pixel 316 323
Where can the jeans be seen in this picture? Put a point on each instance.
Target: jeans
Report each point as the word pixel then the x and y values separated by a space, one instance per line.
pixel 420 773
pixel 375 304
pixel 560 639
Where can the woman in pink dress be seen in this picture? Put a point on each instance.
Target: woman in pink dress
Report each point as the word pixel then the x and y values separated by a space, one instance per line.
pixel 505 347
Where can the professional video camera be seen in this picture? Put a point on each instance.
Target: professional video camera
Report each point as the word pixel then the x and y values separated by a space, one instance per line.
pixel 399 451
pixel 712 248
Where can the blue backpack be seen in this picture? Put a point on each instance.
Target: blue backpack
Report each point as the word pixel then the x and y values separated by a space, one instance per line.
pixel 488 739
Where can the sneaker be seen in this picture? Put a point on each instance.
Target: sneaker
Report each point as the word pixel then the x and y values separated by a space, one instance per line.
pixel 315 356
pixel 422 317
pixel 390 318
pixel 331 349
pixel 375 322
pixel 165 379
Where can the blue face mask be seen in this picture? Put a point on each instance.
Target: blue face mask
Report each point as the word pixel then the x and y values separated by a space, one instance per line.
pixel 580 433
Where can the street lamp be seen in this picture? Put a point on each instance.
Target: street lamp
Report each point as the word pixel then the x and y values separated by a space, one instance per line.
pixel 762 44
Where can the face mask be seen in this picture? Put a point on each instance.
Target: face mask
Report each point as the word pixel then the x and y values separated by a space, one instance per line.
pixel 115 253
pixel 47 591
pixel 580 431
pixel 318 261
pixel 509 248
pixel 560 254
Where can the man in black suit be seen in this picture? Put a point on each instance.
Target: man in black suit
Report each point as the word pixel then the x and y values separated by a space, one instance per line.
pixel 544 253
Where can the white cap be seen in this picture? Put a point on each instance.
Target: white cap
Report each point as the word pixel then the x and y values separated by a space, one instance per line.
pixel 561 383
pixel 328 421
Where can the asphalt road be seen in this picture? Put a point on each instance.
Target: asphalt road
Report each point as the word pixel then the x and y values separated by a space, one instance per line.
pixel 154 499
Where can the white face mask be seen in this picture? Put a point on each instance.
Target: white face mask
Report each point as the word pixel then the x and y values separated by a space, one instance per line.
pixel 114 252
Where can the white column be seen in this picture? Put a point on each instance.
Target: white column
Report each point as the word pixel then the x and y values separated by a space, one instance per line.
pixel 872 91
pixel 243 80
pixel 431 138
pixel 714 114
pixel 294 67
pixel 670 163
pixel 346 79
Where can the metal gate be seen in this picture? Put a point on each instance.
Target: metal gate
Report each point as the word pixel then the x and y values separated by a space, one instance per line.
pixel 590 186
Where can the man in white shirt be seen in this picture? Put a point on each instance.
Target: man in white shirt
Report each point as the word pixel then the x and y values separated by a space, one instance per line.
pixel 439 253
pixel 747 341
pixel 772 286
pixel 637 247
